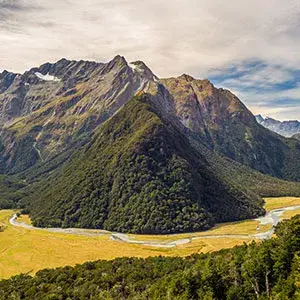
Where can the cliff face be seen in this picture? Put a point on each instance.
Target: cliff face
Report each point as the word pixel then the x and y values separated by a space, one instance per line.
pixel 58 106
pixel 220 120
pixel 80 85
pixel 200 106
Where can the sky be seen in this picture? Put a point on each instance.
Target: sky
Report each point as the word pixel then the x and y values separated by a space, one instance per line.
pixel 249 47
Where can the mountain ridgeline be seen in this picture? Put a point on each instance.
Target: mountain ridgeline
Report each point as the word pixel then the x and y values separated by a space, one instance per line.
pixel 112 146
pixel 284 128
pixel 49 109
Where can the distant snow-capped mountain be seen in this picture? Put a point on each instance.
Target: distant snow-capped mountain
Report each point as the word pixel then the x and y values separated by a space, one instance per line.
pixel 285 128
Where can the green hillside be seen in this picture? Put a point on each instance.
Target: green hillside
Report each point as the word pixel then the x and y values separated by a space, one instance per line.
pixel 242 175
pixel 139 174
pixel 12 191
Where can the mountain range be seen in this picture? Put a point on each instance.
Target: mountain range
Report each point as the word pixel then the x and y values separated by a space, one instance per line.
pixel 112 146
pixel 285 128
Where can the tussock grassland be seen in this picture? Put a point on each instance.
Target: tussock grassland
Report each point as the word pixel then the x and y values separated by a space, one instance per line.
pixel 27 251
pixel 242 227
pixel 24 219
pixel 290 214
pixel 273 203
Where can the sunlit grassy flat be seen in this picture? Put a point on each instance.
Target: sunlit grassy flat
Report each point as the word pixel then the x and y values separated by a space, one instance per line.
pixel 29 250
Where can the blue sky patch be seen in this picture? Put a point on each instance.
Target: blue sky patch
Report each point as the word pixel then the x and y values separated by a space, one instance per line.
pixel 262 86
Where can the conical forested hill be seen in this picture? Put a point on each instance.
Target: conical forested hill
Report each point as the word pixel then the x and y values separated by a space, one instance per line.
pixel 140 174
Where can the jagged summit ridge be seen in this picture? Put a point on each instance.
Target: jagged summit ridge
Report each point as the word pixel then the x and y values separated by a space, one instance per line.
pixel 50 104
pixel 51 80
pixel 140 67
pixel 55 106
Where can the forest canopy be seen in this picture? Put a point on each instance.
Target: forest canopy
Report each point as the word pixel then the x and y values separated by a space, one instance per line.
pixel 266 270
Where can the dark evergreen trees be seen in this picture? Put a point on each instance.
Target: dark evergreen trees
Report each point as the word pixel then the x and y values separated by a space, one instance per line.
pixel 140 174
pixel 267 270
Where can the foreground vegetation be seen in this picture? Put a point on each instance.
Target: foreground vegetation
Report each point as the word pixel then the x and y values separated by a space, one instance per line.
pixel 269 270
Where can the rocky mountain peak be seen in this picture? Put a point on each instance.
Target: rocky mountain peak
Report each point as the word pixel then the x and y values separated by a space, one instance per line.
pixel 58 102
pixel 141 68
pixel 118 60
pixel 5 73
pixel 65 69
pixel 186 77
pixel 6 79
pixel 259 118
pixel 62 98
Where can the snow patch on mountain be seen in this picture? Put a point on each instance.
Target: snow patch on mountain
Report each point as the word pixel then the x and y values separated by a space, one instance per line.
pixel 134 67
pixel 47 77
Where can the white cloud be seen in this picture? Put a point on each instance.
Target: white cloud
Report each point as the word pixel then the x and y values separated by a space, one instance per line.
pixel 262 78
pixel 172 36
pixel 280 105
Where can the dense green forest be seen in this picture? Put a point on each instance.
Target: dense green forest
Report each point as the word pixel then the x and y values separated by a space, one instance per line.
pixel 267 270
pixel 259 148
pixel 241 175
pixel 139 174
pixel 12 190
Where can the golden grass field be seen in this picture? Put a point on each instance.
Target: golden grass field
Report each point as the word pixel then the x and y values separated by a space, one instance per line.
pixel 273 203
pixel 27 251
pixel 290 214
pixel 24 219
pixel 242 227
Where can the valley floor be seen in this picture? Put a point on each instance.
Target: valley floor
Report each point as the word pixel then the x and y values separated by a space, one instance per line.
pixel 26 250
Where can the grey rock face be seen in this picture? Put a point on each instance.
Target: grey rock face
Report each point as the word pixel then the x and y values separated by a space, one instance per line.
pixel 285 128
pixel 55 107
pixel 57 103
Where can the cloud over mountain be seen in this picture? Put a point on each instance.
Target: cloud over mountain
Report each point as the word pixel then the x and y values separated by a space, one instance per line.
pixel 173 37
